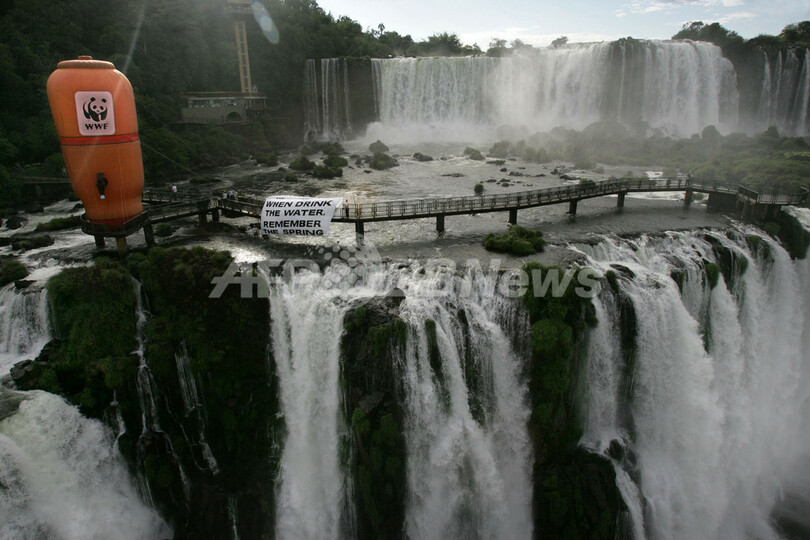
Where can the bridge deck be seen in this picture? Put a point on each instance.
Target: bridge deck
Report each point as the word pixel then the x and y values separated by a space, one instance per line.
pixel 449 206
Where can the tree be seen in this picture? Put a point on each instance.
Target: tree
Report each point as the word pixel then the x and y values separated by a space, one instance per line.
pixel 559 42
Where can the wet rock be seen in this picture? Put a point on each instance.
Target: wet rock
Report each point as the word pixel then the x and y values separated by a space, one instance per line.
pixel 503 169
pixel 23 283
pixel 454 175
pixel 496 162
pixel 418 156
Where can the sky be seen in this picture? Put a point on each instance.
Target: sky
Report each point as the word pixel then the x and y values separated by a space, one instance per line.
pixel 538 22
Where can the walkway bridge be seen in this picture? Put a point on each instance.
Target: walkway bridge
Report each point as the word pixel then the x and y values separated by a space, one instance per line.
pixel 750 204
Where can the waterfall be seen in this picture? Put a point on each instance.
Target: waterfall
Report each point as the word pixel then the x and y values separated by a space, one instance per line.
pixel 785 93
pixel 193 405
pixel 469 457
pixel 61 476
pixel 714 383
pixel 306 326
pixel 146 387
pixel 24 326
pixel 326 96
pixel 678 87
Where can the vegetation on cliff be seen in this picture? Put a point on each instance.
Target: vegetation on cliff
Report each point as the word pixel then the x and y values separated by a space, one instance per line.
pixel 219 346
pixel 574 491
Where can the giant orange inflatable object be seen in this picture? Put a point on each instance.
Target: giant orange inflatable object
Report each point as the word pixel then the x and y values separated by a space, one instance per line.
pixel 93 107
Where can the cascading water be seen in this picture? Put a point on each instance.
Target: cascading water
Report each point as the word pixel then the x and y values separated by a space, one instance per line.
pixel 327 99
pixel 709 390
pixel 469 457
pixel 784 99
pixel 62 477
pixel 24 326
pixel 313 499
pixel 679 87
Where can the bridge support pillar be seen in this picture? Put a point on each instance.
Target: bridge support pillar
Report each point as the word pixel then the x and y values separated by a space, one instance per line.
pixel 620 200
pixel 99 241
pixel 149 234
pixel 203 218
pixel 747 210
pixel 440 223
pixel 513 216
pixel 215 215
pixel 688 196
pixel 358 228
pixel 572 207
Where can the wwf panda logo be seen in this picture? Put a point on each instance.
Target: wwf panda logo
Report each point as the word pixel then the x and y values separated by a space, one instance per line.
pixel 95 109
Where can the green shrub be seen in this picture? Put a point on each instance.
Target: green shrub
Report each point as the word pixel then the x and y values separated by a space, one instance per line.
pixel 479 188
pixel 268 159
pixel 59 224
pixel 163 230
pixel 517 241
pixel 11 270
pixel 382 161
pixel 290 177
pixel 34 242
pixel 500 149
pixel 334 160
pixel 324 171
pixel 302 164
pixel 377 146
pixel 418 156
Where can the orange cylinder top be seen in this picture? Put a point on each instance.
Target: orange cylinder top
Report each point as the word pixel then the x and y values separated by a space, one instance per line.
pixel 93 107
pixel 74 107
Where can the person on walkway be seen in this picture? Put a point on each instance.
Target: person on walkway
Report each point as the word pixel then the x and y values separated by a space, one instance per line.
pixel 174 192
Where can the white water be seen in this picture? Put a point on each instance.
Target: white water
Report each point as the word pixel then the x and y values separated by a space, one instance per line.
pixel 715 433
pixel 678 87
pixel 24 326
pixel 62 477
pixel 785 92
pixel 313 490
pixel 469 476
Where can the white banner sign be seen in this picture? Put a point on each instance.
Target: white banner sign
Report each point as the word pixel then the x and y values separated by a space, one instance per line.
pixel 302 216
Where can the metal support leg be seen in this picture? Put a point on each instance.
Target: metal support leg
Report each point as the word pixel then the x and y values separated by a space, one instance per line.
pixel 215 215
pixel 203 218
pixel 513 216
pixel 688 197
pixel 99 242
pixel 572 207
pixel 620 201
pixel 149 234
pixel 440 223
pixel 123 248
